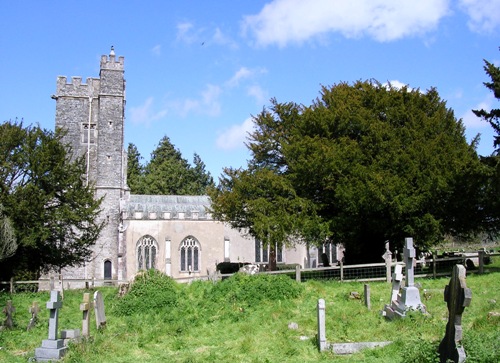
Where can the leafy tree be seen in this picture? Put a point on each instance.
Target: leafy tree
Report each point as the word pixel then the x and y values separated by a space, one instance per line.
pixel 135 170
pixel 169 173
pixel 363 164
pixel 491 189
pixel 8 243
pixel 52 210
pixel 492 116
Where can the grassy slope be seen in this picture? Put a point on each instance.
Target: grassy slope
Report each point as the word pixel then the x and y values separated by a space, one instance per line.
pixel 199 329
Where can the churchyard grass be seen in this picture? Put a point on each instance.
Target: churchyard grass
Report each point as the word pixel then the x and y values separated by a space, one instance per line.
pixel 231 322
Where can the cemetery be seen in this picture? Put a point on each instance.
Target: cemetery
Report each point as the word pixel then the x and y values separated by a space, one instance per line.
pixel 261 317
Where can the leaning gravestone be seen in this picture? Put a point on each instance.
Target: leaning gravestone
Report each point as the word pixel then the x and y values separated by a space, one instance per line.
pixel 100 316
pixel 85 307
pixel 52 348
pixel 34 310
pixel 457 297
pixel 9 311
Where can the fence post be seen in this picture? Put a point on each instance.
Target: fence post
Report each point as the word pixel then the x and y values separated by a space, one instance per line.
pixel 434 264
pixel 321 325
pixel 480 255
pixel 297 273
pixel 341 270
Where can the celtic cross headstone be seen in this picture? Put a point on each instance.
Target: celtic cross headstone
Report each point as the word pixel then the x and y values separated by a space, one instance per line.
pixel 457 296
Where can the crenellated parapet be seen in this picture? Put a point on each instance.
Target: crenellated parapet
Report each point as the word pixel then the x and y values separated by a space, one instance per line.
pixel 76 88
pixel 111 63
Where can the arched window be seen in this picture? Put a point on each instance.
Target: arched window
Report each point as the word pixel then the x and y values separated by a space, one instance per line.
pixel 147 249
pixel 190 255
pixel 107 270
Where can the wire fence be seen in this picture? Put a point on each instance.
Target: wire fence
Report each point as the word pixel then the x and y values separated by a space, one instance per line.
pixel 432 267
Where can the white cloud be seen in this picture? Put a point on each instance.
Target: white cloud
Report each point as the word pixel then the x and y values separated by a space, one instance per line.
pixel 258 93
pixel 144 113
pixel 156 50
pixel 186 33
pixel 208 103
pixel 240 74
pixel 220 38
pixel 235 136
pixel 294 21
pixel 484 14
pixel 470 120
pixel 395 83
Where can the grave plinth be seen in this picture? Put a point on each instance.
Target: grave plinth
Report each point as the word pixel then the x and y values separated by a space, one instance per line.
pixel 52 348
pixel 407 297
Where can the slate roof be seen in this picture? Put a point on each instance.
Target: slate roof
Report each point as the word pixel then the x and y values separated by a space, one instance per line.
pixel 167 203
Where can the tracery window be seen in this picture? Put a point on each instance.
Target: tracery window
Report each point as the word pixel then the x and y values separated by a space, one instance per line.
pixel 262 252
pixel 190 255
pixel 147 249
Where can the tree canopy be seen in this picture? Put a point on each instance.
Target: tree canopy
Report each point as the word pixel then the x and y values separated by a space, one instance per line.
pixel 492 116
pixel 167 172
pixel 363 164
pixel 52 209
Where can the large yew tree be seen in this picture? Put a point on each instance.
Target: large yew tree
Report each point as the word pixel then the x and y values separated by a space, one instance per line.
pixel 50 206
pixel 362 165
pixel 167 172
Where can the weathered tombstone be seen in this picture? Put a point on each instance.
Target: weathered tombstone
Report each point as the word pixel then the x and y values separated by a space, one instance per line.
pixel 387 256
pixel 100 316
pixel 322 345
pixel 9 311
pixel 34 310
pixel 457 297
pixel 52 348
pixel 367 297
pixel 85 307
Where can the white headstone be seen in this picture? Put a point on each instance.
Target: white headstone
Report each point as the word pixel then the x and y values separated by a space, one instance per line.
pixel 100 316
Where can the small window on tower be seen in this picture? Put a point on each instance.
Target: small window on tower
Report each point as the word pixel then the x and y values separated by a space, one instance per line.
pixel 89 133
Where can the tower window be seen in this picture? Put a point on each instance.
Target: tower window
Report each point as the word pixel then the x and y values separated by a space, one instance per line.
pixel 89 133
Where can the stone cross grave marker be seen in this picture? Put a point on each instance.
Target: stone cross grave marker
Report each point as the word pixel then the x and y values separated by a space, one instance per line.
pixel 52 348
pixel 410 295
pixel 457 296
pixel 85 307
pixel 100 316
pixel 387 256
pixel 33 310
pixel 9 311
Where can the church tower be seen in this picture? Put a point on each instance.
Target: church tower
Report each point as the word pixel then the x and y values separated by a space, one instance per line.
pixel 93 116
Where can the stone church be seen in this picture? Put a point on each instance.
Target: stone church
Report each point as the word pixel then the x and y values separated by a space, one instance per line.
pixel 172 233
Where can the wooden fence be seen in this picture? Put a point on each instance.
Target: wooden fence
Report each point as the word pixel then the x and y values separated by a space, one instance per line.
pixel 431 267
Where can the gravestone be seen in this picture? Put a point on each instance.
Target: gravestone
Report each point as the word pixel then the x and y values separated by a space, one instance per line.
pixel 9 311
pixel 408 297
pixel 387 256
pixel 52 348
pixel 322 344
pixel 100 316
pixel 85 307
pixel 34 310
pixel 367 297
pixel 457 297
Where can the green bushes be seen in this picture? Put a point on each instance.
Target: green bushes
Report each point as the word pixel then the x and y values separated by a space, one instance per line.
pixel 252 289
pixel 151 291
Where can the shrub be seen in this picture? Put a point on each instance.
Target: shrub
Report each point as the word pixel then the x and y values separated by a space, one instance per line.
pixel 151 291
pixel 251 289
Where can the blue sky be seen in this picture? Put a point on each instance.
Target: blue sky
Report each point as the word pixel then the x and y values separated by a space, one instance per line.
pixel 198 70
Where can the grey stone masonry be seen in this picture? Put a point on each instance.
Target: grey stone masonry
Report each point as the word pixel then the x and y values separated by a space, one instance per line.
pixel 92 115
